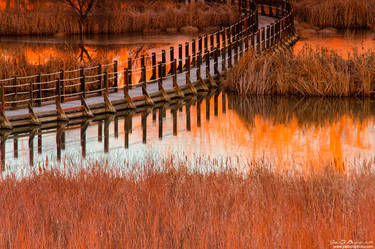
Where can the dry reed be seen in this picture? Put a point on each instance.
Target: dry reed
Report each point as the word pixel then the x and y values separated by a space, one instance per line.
pixel 342 14
pixel 175 207
pixel 317 72
pixel 156 16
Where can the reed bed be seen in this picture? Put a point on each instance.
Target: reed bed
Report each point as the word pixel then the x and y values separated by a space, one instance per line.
pixel 175 207
pixel 313 72
pixel 133 17
pixel 341 14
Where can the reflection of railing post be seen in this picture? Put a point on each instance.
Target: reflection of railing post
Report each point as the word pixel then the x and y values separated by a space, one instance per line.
pixel 188 118
pixel 115 76
pixel 144 127
pixel 161 110
pixel 15 146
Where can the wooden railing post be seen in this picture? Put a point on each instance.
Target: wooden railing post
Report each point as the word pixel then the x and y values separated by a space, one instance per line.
pixel 39 95
pixel 171 50
pixel 258 46
pixel 143 75
pixel 153 77
pixel 199 63
pixel 235 45
pixel 2 97
pixel 164 63
pixel 106 85
pixel 83 82
pixel 15 91
pixel 223 50
pixel 130 72
pixel 268 37
pixel 200 46
pixel 207 58
pixel 263 39
pixel 179 58
pixel 62 82
pixel 193 52
pixel 187 55
pixel 58 91
pixel 99 72
pixel 160 78
pixel 211 44
pixel 205 42
pixel 218 33
pixel 115 71
pixel 31 92
pixel 216 62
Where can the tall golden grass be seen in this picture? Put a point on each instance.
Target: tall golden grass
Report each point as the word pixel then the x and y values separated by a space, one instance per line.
pixel 342 14
pixel 175 207
pixel 313 72
pixel 136 17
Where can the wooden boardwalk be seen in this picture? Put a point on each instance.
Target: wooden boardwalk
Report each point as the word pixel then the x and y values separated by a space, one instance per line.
pixel 262 29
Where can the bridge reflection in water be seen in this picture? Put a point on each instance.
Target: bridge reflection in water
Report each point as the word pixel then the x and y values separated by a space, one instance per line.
pixel 284 130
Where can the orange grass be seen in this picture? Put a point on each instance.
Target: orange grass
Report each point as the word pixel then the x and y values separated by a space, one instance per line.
pixel 342 14
pixel 175 207
pixel 319 72
pixel 133 17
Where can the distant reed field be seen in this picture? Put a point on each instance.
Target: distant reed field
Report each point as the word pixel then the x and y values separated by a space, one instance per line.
pixel 134 16
pixel 342 14
pixel 313 72
pixel 175 207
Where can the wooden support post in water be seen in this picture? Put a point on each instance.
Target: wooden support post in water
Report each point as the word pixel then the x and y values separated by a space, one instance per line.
pixel 127 122
pixel 161 111
pixel 208 97
pixel 144 127
pixel 107 123
pixel 84 126
pixel 3 139
pixel 199 102
pixel 153 77
pixel 188 116
pixel 116 126
pixel 15 146
pixel 174 116
pixel 216 104
pixel 224 102
pixel 115 71
pixel 31 146
pixel 100 131
pixel 83 82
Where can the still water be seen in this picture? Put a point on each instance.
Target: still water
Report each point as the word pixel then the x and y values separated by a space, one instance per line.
pixel 285 132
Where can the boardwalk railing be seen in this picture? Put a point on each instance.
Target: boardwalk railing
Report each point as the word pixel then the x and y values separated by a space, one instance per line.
pixel 209 55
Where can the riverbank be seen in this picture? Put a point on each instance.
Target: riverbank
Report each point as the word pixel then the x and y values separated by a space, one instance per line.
pixel 135 16
pixel 175 207
pixel 312 72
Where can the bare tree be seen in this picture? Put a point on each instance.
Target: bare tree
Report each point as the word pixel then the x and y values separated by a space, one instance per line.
pixel 81 9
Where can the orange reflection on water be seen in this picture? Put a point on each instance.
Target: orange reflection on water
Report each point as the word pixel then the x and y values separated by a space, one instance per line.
pixel 342 44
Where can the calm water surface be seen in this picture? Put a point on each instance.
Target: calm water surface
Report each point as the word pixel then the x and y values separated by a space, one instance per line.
pixel 287 132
